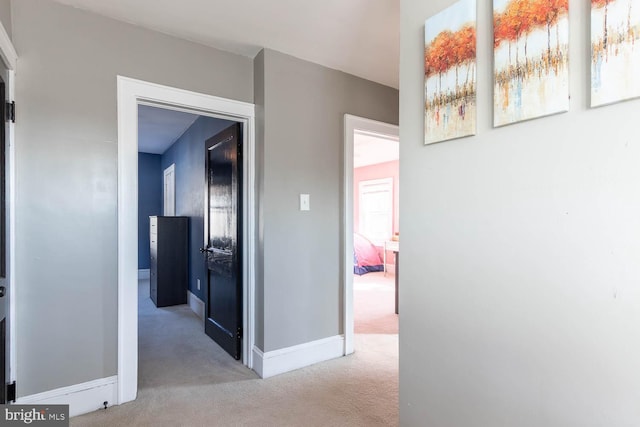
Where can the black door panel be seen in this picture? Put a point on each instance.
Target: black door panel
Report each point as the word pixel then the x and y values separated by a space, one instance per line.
pixel 223 229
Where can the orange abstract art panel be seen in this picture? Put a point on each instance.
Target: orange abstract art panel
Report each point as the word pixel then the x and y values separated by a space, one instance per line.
pixel 615 51
pixel 450 73
pixel 531 59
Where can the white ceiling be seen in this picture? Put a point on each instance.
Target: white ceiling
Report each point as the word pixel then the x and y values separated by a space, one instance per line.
pixel 371 149
pixel 360 37
pixel 159 128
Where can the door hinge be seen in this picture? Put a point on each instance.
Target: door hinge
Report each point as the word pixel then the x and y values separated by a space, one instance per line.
pixel 239 333
pixel 10 108
pixel 11 392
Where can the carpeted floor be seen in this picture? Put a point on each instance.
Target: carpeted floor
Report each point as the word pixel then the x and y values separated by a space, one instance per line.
pixel 374 304
pixel 175 334
pixel 187 380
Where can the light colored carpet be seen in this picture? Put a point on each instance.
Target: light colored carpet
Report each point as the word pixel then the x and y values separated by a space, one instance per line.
pixel 374 304
pixel 173 337
pixel 187 380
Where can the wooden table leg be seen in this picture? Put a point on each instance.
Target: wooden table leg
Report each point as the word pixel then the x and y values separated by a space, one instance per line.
pixel 384 258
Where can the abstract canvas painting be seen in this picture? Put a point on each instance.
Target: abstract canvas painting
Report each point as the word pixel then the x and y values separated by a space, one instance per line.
pixel 531 62
pixel 615 51
pixel 450 73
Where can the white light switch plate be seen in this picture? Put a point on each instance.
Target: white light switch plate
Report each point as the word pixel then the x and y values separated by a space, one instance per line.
pixel 304 202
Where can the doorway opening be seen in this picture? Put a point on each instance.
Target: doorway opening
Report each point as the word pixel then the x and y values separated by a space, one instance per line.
pixel 376 232
pixel 135 94
pixel 177 297
pixel 371 233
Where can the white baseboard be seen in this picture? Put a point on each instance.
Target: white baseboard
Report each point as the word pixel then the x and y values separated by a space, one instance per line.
pixel 196 304
pixel 81 398
pixel 144 274
pixel 288 359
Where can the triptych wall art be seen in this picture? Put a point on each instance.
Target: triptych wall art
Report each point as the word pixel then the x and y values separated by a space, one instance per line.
pixel 530 62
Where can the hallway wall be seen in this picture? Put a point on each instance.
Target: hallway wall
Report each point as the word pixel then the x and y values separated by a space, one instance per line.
pixel 300 150
pixel 520 278
pixel 66 163
pixel 5 16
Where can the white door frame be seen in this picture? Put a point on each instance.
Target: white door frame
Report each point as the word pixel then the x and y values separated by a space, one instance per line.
pixel 171 171
pixel 351 124
pixel 10 58
pixel 132 93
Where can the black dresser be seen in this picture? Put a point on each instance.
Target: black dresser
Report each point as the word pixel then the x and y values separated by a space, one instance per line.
pixel 169 238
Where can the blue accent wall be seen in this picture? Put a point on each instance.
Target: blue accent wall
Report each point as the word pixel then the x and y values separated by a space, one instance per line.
pixel 149 201
pixel 188 154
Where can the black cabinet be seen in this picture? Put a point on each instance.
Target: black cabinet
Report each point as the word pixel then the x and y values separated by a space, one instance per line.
pixel 169 239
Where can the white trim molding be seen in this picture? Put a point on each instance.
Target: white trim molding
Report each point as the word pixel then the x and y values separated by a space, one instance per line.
pixel 144 273
pixel 195 304
pixel 298 356
pixel 81 398
pixel 132 93
pixel 351 125
pixel 9 56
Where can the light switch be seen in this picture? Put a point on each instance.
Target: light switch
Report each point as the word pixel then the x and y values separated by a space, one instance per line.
pixel 304 202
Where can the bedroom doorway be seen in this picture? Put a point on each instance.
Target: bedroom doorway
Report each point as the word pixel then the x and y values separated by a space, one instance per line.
pixel 133 94
pixel 371 230
pixel 174 285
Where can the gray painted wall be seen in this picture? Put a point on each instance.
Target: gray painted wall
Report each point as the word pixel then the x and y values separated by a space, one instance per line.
pixel 520 268
pixel 5 16
pixel 66 176
pixel 304 106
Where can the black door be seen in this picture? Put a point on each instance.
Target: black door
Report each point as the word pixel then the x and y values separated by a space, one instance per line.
pixel 223 231
pixel 4 343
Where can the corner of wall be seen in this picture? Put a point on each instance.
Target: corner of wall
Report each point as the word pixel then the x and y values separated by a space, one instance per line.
pixel 259 101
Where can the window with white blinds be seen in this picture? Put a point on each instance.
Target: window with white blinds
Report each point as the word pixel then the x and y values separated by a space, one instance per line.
pixel 376 209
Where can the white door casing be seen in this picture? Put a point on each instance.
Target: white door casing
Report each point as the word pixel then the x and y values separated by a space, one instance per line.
pixel 9 57
pixel 132 93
